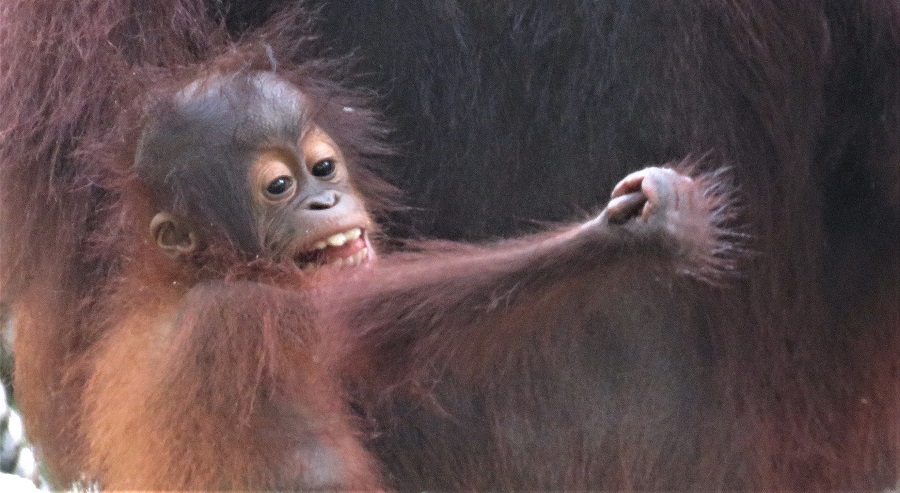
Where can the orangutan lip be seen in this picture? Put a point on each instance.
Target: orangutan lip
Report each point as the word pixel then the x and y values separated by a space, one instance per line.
pixel 343 249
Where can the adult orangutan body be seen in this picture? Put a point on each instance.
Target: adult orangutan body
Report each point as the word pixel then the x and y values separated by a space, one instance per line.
pixel 516 111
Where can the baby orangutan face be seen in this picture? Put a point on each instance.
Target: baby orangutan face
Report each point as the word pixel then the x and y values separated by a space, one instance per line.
pixel 307 208
pixel 238 158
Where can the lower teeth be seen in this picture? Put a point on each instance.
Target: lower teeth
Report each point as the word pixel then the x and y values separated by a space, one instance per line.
pixel 354 259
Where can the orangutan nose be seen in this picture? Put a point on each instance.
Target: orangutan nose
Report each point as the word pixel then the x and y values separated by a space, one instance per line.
pixel 322 201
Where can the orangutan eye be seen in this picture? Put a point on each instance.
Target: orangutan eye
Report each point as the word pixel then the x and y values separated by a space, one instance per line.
pixel 324 168
pixel 280 186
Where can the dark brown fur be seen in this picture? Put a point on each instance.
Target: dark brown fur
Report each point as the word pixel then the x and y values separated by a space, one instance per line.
pixel 239 364
pixel 242 370
pixel 517 110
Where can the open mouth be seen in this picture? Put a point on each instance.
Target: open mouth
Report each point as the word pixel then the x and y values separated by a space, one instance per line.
pixel 344 249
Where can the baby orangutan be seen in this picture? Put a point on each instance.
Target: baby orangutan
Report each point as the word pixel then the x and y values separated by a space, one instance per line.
pixel 254 327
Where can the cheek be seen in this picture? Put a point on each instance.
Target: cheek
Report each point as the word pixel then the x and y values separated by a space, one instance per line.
pixel 279 232
pixel 354 206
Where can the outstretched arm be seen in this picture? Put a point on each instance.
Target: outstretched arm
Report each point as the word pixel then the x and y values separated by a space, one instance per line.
pixel 659 226
pixel 228 390
pixel 565 341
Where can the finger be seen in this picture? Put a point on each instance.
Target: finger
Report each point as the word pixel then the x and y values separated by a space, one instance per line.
pixel 624 207
pixel 631 183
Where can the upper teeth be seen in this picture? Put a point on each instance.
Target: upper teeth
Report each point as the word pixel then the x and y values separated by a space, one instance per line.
pixel 338 239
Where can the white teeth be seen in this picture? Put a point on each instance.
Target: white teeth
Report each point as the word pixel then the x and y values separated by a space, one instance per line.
pixel 336 240
pixel 353 260
pixel 339 239
pixel 357 257
pixel 353 234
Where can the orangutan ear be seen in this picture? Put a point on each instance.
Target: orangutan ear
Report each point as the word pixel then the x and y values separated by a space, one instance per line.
pixel 173 235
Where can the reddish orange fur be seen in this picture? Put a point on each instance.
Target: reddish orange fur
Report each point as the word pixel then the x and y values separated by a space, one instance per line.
pixel 804 355
pixel 63 154
pixel 235 390
pixel 276 418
